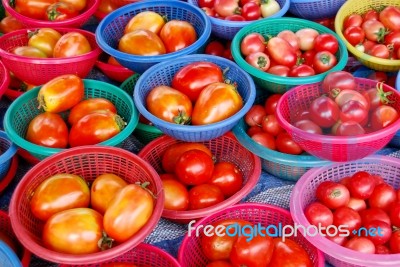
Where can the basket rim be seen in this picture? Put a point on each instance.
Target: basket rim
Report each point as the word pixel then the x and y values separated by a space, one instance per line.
pixel 5 81
pixel 357 53
pixel 105 67
pixel 96 51
pixel 10 174
pixel 10 254
pixel 10 152
pixel 249 205
pixel 235 48
pixel 325 245
pixel 332 139
pixel 43 23
pixel 47 151
pixel 194 214
pixel 149 4
pixel 193 128
pixel 58 257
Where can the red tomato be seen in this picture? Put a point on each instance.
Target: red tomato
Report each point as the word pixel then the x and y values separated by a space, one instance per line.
pixel 72 44
pixel 328 22
pixel 282 52
pixel 308 57
pixel 380 50
pixel 338 239
pixel 341 80
pixel 374 30
pixel 271 103
pixel 308 126
pixel 354 35
pixel 348 217
pixel 352 20
pixel 306 38
pixel 394 242
pixel 219 264
pixel 376 96
pixel 226 8
pixel 90 105
pixel 348 128
pixel 371 14
pixel 373 214
pixel 177 35
pixel 357 204
pixel 383 116
pixel 395 214
pixel 393 38
pixel 346 95
pixel 251 43
pixel 360 244
pixel 291 38
pixel 61 11
pixel 390 17
pixel 270 125
pixel 382 197
pixel 35 9
pixel 333 195
pixel 253 130
pixel 194 77
pixel 48 129
pixel 361 185
pixel 265 139
pixel 176 195
pixel 326 42
pixel 381 237
pixel 289 253
pixel 382 249
pixel 324 61
pixel 324 111
pixel 354 111
pixel 285 144
pixel 10 24
pixel 318 214
pixel 206 3
pixel 194 167
pixel 279 70
pixel 204 196
pixel 301 71
pixel 254 253
pixel 251 11
pixel 214 48
pixel 142 42
pixel 228 177
pixel 259 60
pixel 255 115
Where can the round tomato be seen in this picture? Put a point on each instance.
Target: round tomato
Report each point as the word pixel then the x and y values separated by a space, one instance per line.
pixel 270 125
pixel 318 214
pixel 204 196
pixel 361 185
pixel 326 42
pixel 206 3
pixel 381 237
pixel 394 242
pixel 226 8
pixel 373 214
pixel 215 48
pixel 265 139
pixel 354 111
pixel 324 111
pixel 352 20
pixel 360 244
pixel 324 61
pixel 345 216
pixel 35 9
pixel 10 24
pixel 346 95
pixel 44 39
pixel 71 44
pixel 279 70
pixel 258 60
pixel 128 212
pixel 194 167
pixel 308 58
pixel 380 50
pixel 74 231
pixel 228 177
pixel 282 52
pixel 354 35
pixel 395 214
pixel 285 144
pixel 301 71
pixel 49 130
pixel 61 11
pixel 289 253
pixel 308 126
pixel 28 51
pixel 176 195
pixel 177 35
pixel 271 102
pixel 103 189
pixel 105 6
pixel 90 105
pixel 394 39
pixel 341 80
pixel 254 130
pixel 371 14
pixel 333 195
pixel 306 38
pixel 146 20
pixel 251 11
pixel 347 128
pixel 256 252
pixel 390 17
pixel 251 43
pixel 255 115
pixel 374 30
pixel 383 197
pixel 383 116
pixel 376 97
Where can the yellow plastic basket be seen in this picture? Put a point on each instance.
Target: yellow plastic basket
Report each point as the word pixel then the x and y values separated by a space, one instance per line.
pixel 360 7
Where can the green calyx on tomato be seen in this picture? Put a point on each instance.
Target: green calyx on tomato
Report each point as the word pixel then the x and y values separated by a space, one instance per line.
pixel 182 118
pixel 381 34
pixel 105 242
pixel 144 186
pixel 383 95
pixel 120 122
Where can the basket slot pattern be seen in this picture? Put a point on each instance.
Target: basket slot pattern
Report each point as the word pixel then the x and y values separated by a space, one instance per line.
pixel 317 9
pixel 5 144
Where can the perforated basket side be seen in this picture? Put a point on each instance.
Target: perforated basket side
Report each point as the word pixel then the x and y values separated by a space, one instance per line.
pixel 315 9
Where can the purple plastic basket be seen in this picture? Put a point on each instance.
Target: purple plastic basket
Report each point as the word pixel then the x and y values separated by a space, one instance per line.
pixel 315 9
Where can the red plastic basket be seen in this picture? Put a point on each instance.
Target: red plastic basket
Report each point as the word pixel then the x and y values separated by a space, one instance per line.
pixel 76 22
pixel 10 174
pixel 39 71
pixel 142 255
pixel 114 72
pixel 191 255
pixel 334 148
pixel 5 226
pixel 87 162
pixel 225 148
pixel 4 79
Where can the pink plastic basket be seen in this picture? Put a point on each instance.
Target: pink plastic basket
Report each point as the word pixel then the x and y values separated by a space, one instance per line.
pixel 142 255
pixel 191 255
pixel 114 72
pixel 334 148
pixel 225 148
pixel 304 194
pixel 4 79
pixel 87 162
pixel 39 71
pixel 76 22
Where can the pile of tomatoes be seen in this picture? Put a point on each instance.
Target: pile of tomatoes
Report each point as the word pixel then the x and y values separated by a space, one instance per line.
pixel 192 180
pixel 243 10
pixel 81 220
pixel 154 36
pixel 364 200
pixel 376 32
pixel 346 111
pixel 198 95
pixel 92 121
pixel 305 52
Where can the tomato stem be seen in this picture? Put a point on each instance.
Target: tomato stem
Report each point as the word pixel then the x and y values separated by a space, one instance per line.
pixel 105 242
pixel 182 118
pixel 383 96
pixel 32 33
pixel 144 186
pixel 120 122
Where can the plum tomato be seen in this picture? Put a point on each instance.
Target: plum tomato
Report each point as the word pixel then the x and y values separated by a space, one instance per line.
pixel 176 195
pixel 177 35
pixel 142 43
pixel 71 44
pixel 89 105
pixel 281 52
pixel 291 38
pixel 145 20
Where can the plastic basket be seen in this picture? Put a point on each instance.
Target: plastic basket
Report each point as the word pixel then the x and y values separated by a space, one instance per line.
pixel 40 71
pixel 120 3
pixel 191 254
pixel 274 83
pixel 304 193
pixel 87 162
pixel 145 133
pixel 228 29
pixel 162 74
pixel 334 148
pixel 7 152
pixel 76 22
pixel 315 9
pixel 142 255
pixel 114 72
pixel 24 109
pixel 223 148
pixel 111 29
pixel 12 94
pixel 360 7
pixel 7 257
pixel 10 174
pixel 4 79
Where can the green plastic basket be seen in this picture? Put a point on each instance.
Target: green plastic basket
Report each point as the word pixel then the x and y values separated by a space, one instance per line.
pixel 272 27
pixel 144 133
pixel 25 108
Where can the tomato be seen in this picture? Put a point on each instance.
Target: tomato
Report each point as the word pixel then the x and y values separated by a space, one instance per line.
pixel 88 106
pixel 128 212
pixel 347 128
pixel 219 264
pixel 341 80
pixel 271 102
pixel 176 195
pixel 61 11
pixel 381 237
pixel 214 48
pixel 324 111
pixel 308 126
pixel 354 111
pixel 79 5
pixel 376 97
pixel 394 242
pixel 206 3
pixel 255 115
pixel 226 8
pixel 253 130
pixel 382 197
pixel 28 51
pixel 71 44
pixel 357 204
pixel 333 195
pixel 217 102
pixel 390 17
pixel 394 39
pixel 204 195
pixel 251 43
pixel 289 253
pixel 382 249
pixel 380 50
pixel 209 12
pixel 307 37
pixel 265 139
pixel 279 70
pixel 95 128
pixel 347 95
pixel 361 185
pixel 373 214
pixel 395 214
pixel 194 167
pixel 105 6
pixel 345 216
pixel 150 43
pixel 251 11
pixel 228 54
pixel 374 30
pixel 103 189
pixel 291 38
pixel 49 130
pixel 169 104
pixel 352 20
pixel 324 61
pixel 44 39
pixel 111 60
pixel 254 253
pixel 177 35
pixel 360 244
pixel 354 35
pixel 74 231
pixel 338 239
pixel 258 60
pixel 271 125
pixel 318 214
pixel 9 241
pixel 383 116
pixel 35 9
pixel 145 20
pixel 61 93
pixel 371 14
pixel 282 52
pixel 228 177
pixel 270 7
pixel 194 77
pixel 285 144
pixel 57 193
pixel 10 24
pixel 301 71
pixel 326 42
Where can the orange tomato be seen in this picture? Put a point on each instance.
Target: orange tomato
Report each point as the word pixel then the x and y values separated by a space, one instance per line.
pixel 141 42
pixel 10 24
pixel 78 5
pixel 72 44
pixel 35 9
pixel 177 35
pixel 88 106
pixel 146 20
pixel 28 51
pixel 111 60
pixel 44 39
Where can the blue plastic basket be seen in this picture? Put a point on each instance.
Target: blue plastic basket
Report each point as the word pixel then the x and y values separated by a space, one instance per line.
pixel 7 150
pixel 227 29
pixel 8 258
pixel 162 74
pixel 315 9
pixel 111 29
pixel 396 139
